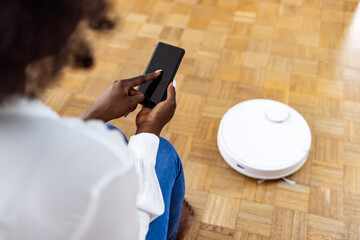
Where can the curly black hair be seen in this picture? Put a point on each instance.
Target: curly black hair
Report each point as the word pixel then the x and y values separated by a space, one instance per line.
pixel 39 33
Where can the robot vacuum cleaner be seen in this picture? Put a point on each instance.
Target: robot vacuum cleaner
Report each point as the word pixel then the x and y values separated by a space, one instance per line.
pixel 264 139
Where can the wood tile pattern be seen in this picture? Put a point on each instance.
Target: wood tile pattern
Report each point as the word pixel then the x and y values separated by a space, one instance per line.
pixel 304 53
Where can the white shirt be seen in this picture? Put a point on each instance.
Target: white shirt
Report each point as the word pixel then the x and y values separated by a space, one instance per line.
pixel 63 178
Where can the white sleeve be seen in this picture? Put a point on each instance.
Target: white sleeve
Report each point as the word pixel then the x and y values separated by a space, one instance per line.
pixel 111 214
pixel 149 202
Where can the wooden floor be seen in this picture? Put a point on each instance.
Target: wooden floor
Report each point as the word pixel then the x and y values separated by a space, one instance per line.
pixel 305 53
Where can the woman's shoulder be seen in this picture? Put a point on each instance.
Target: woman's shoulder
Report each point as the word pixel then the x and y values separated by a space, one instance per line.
pixel 56 165
pixel 32 125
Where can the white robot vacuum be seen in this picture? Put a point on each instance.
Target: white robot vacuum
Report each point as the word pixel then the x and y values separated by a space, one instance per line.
pixel 264 139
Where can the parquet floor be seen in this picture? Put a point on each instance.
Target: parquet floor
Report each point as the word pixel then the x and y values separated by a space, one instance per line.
pixel 305 53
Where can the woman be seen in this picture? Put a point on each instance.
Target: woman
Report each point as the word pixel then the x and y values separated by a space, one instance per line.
pixel 68 178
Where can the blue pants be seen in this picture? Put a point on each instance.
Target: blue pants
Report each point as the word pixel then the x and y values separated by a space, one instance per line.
pixel 171 178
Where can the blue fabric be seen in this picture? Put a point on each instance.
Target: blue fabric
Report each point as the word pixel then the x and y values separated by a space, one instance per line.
pixel 171 178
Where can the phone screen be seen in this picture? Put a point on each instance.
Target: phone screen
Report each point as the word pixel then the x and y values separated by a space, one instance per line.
pixel 167 58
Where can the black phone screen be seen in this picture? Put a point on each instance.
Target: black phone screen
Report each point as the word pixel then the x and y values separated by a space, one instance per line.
pixel 167 58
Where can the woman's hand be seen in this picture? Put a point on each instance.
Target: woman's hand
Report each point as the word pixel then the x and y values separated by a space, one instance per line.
pixel 153 120
pixel 119 99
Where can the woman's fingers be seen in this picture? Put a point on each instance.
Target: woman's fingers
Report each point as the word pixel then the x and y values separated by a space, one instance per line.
pixel 136 81
pixel 132 92
pixel 139 97
pixel 171 94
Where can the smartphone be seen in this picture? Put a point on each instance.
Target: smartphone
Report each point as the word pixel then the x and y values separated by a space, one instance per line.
pixel 167 58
